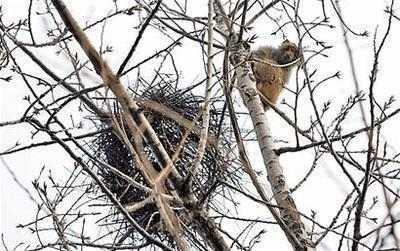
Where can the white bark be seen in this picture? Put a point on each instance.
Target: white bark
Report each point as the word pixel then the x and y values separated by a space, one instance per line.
pixel 276 177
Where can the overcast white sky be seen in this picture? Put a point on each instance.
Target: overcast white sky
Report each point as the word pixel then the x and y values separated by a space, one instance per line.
pixel 322 193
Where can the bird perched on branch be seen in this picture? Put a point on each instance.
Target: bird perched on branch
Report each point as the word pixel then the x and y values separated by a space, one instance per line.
pixel 271 68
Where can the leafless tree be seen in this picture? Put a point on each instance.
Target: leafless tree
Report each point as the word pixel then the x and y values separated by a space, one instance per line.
pixel 163 162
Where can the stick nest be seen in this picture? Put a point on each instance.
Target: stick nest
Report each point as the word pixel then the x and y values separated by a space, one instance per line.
pixel 217 166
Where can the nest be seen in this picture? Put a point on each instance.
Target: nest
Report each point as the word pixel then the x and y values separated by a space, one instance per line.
pixel 4 56
pixel 216 166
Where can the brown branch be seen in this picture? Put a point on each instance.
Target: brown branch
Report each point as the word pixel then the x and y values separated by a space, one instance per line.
pixel 129 107
pixel 139 126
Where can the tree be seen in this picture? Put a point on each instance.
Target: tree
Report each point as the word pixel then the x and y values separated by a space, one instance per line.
pixel 170 156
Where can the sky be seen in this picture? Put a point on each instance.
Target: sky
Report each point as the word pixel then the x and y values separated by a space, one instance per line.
pixel 322 193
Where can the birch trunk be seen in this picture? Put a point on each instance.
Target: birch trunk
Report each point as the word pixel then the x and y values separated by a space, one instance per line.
pixel 287 207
